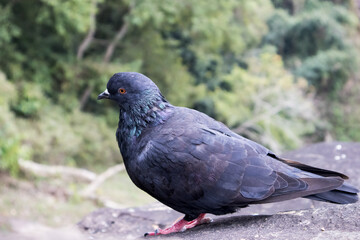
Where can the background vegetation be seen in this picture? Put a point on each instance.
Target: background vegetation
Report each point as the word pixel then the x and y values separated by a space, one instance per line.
pixel 281 72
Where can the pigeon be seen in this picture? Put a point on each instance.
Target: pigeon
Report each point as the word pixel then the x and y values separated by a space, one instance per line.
pixel 197 165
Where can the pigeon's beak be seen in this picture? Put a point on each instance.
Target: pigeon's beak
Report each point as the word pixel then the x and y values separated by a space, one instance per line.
pixel 104 94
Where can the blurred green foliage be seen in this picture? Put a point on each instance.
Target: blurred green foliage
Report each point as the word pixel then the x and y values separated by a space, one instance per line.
pixel 271 105
pixel 281 72
pixel 9 155
pixel 29 102
pixel 316 42
pixel 9 139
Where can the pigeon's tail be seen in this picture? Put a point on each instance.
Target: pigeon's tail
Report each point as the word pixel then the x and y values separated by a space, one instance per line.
pixel 342 195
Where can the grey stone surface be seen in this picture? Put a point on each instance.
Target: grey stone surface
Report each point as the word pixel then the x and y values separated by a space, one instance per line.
pixel 334 222
pixel 268 221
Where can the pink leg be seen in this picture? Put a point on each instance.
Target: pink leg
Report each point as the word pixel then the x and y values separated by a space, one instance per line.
pixel 181 226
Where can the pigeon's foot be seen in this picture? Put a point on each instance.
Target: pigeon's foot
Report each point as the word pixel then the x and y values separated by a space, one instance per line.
pixel 181 226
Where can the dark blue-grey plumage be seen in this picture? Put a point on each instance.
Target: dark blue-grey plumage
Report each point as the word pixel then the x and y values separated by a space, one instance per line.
pixel 195 164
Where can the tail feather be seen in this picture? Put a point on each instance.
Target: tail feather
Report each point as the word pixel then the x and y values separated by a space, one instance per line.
pixel 342 195
pixel 347 188
pixel 308 168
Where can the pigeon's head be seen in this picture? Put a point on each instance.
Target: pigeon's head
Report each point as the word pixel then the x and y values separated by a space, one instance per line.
pixel 130 88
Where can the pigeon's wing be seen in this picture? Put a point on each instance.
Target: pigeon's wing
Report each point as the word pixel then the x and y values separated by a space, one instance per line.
pixel 221 128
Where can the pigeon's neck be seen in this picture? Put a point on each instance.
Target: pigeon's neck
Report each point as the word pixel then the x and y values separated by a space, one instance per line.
pixel 150 112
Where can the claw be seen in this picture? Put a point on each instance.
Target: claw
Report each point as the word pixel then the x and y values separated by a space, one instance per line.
pixel 156 232
pixel 180 226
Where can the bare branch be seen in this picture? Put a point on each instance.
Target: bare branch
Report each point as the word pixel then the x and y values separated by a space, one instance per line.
pixel 111 47
pixel 85 96
pixel 89 190
pixel 260 111
pixel 256 119
pixel 90 36
pixel 119 35
pixel 356 6
pixel 87 193
pixel 48 171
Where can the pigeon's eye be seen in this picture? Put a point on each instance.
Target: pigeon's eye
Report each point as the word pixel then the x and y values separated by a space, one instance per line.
pixel 122 90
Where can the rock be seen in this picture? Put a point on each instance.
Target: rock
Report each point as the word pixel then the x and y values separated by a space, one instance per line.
pixel 283 220
pixel 335 222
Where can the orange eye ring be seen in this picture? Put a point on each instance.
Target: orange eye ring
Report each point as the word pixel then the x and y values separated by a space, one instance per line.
pixel 122 90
